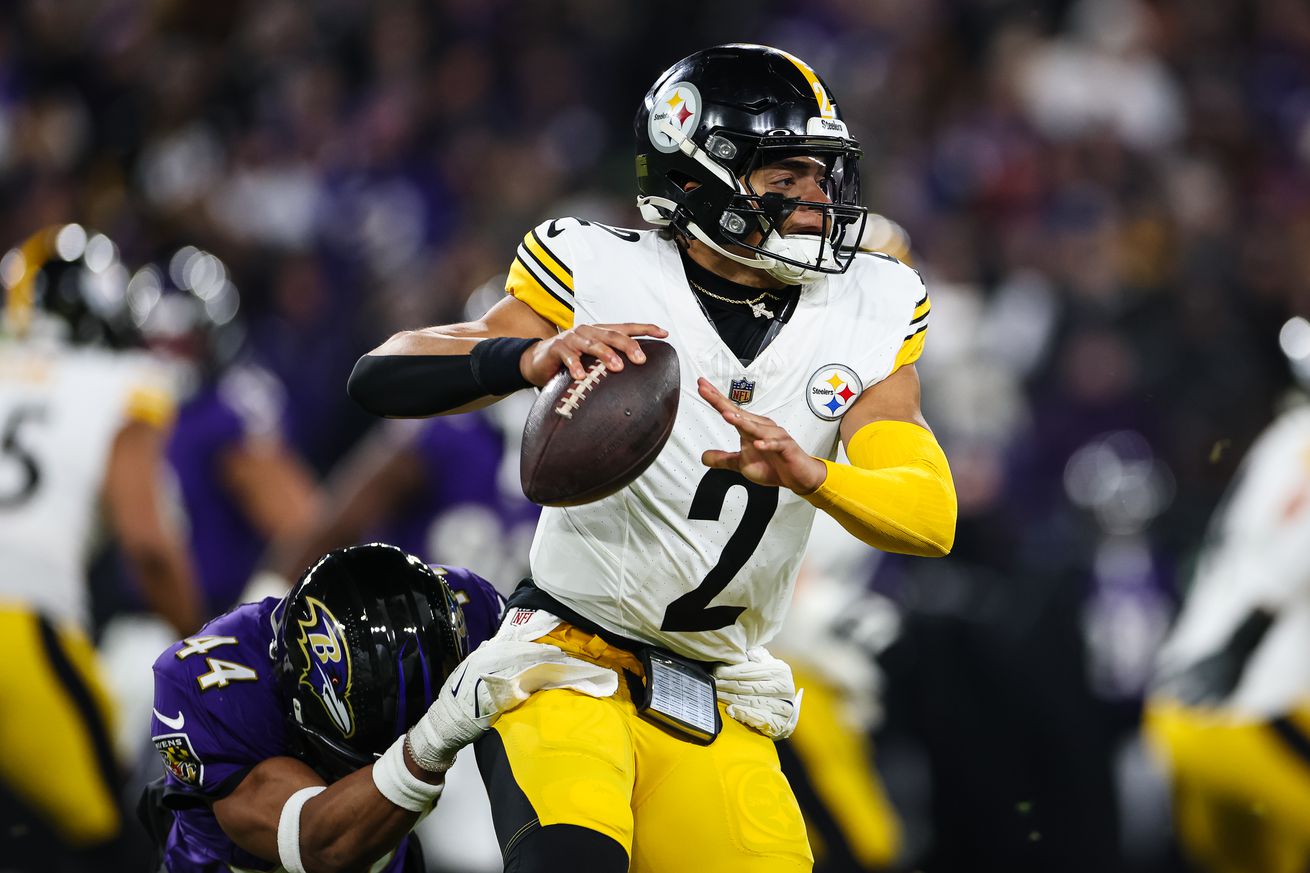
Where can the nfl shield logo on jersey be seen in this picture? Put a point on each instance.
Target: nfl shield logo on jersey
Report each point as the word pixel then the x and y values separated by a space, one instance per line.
pixel 741 392
pixel 832 390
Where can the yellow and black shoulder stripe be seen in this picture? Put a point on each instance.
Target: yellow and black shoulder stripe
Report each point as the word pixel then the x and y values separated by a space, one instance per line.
pixel 916 333
pixel 151 405
pixel 543 279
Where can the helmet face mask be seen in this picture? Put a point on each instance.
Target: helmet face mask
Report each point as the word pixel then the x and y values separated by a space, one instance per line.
pixel 363 644
pixel 716 118
pixel 841 217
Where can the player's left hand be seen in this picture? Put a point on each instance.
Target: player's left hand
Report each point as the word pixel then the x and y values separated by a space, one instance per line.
pixel 759 693
pixel 768 454
pixel 498 676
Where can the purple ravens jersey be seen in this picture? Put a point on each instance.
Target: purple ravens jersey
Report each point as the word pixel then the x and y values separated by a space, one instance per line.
pixel 218 712
pixel 246 402
pixel 470 509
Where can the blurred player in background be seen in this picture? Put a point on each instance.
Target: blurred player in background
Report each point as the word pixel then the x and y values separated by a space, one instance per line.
pixel 84 422
pixel 1230 714
pixel 832 636
pixel 746 166
pixel 282 725
pixel 238 484
pixel 444 486
pixel 242 486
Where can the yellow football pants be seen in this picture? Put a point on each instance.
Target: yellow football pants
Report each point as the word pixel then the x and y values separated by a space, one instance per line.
pixel 54 728
pixel 673 805
pixel 1241 787
pixel 846 811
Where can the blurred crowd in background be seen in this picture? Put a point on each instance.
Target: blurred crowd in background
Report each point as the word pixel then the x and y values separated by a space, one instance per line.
pixel 1108 200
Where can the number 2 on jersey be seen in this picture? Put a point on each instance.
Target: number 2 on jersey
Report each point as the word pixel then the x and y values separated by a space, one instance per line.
pixel 692 611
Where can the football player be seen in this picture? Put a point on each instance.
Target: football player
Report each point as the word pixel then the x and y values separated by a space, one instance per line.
pixel 831 638
pixel 83 421
pixel 289 728
pixel 241 485
pixel 443 486
pixel 794 343
pixel 1230 713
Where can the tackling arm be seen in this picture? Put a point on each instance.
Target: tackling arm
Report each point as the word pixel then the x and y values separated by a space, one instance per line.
pixel 347 825
pixel 357 819
pixel 897 494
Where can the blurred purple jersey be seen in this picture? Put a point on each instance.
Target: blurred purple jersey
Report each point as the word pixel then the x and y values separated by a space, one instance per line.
pixel 218 712
pixel 246 402
pixel 470 509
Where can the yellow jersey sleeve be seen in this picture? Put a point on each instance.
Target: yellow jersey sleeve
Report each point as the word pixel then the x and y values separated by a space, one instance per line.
pixel 542 277
pixel 916 332
pixel 151 405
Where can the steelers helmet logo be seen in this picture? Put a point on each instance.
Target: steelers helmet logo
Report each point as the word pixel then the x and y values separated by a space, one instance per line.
pixel 677 107
pixel 832 390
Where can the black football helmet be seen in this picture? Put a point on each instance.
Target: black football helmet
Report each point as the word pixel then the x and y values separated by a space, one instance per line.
pixel 186 308
pixel 718 115
pixel 67 283
pixel 363 644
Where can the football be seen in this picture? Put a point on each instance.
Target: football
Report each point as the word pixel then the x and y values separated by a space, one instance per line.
pixel 585 439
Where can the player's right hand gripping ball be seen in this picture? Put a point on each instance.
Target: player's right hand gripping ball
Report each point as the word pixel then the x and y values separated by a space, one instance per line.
pixel 587 439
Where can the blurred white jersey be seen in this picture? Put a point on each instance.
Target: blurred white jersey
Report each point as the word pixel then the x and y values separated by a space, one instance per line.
pixel 1257 557
pixel 701 561
pixel 60 411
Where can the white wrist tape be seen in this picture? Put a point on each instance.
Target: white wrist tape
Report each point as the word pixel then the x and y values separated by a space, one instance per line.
pixel 397 784
pixel 288 828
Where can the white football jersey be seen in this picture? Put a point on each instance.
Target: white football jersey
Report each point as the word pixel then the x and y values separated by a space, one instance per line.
pixel 1257 557
pixel 701 561
pixel 60 410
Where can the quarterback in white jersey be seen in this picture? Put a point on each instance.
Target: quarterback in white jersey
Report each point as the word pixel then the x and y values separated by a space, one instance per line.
pixel 82 424
pixel 1230 713
pixel 789 342
pixel 642 562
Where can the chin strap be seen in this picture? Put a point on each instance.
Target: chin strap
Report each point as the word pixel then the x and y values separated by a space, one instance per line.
pixel 800 248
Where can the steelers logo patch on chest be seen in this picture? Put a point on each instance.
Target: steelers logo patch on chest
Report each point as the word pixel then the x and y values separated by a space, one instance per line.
pixel 832 390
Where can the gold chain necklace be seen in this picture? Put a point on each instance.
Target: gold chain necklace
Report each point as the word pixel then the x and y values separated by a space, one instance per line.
pixel 758 308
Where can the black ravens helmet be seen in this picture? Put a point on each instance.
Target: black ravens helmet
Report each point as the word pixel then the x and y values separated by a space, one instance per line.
pixel 68 283
pixel 715 117
pixel 364 642
pixel 185 307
